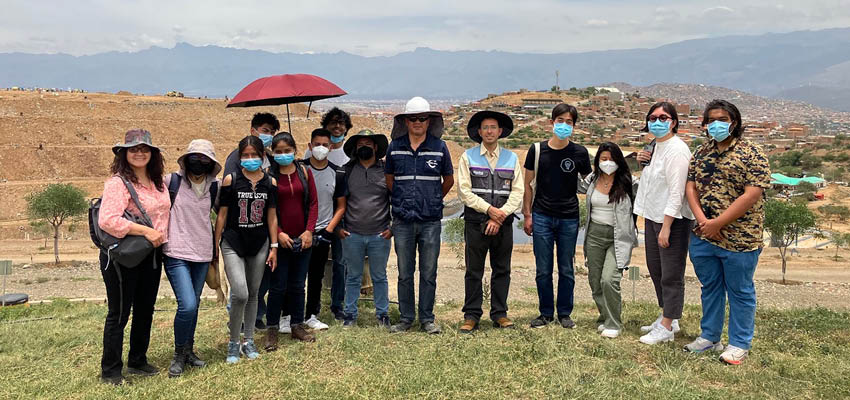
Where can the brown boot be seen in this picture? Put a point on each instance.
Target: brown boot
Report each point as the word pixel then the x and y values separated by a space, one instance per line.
pixel 468 325
pixel 503 322
pixel 299 333
pixel 270 343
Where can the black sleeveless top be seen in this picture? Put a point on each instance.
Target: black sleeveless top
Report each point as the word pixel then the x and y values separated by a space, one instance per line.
pixel 246 229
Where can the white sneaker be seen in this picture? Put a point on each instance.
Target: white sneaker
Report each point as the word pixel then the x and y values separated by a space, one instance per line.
pixel 610 333
pixel 659 334
pixel 600 328
pixel 315 324
pixel 733 355
pixel 701 344
pixel 647 328
pixel 284 325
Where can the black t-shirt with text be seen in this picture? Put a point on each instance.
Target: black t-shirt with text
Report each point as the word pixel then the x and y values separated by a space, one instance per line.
pixel 557 180
pixel 246 229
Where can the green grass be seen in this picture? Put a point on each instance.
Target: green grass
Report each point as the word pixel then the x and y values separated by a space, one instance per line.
pixel 53 351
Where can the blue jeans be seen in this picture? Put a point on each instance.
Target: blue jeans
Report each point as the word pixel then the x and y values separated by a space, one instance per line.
pixel 356 248
pixel 337 275
pixel 288 280
pixel 409 235
pixel 723 272
pixel 549 232
pixel 187 281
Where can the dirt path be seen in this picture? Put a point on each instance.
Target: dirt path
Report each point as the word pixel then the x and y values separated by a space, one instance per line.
pixel 832 289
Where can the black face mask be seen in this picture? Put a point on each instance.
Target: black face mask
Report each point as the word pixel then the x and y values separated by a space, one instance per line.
pixel 198 168
pixel 365 152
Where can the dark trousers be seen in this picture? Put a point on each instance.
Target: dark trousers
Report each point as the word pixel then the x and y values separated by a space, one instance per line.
pixel 286 287
pixel 477 246
pixel 667 266
pixel 128 289
pixel 315 275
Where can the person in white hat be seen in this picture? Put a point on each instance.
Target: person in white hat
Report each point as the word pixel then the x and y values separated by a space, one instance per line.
pixel 190 249
pixel 419 174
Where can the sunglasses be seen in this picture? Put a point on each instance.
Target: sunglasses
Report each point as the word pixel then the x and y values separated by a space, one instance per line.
pixel 419 119
pixel 139 149
pixel 662 118
pixel 200 158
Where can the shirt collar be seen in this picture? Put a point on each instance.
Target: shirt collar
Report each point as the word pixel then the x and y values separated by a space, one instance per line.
pixel 483 150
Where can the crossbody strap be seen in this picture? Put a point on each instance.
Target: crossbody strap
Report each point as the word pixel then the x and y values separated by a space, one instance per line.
pixel 135 197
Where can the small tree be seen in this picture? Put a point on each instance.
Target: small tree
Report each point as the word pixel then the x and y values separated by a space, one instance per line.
pixel 56 204
pixel 41 228
pixel 840 240
pixel 785 222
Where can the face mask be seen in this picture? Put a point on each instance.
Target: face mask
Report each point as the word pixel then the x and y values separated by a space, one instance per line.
pixel 320 152
pixel 337 139
pixel 267 139
pixel 658 128
pixel 719 130
pixel 198 168
pixel 563 130
pixel 608 167
pixel 251 164
pixel 285 158
pixel 365 152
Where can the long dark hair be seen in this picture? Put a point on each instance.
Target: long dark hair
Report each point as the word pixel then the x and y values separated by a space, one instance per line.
pixel 622 185
pixel 120 166
pixel 730 109
pixel 669 108
pixel 252 141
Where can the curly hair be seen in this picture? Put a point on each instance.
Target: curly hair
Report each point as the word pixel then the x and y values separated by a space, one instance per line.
pixel 156 166
pixel 336 114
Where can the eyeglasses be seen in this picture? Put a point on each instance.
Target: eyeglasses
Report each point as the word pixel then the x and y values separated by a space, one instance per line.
pixel 415 119
pixel 489 128
pixel 662 118
pixel 139 149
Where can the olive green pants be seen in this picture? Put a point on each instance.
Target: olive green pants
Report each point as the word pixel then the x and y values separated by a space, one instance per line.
pixel 603 274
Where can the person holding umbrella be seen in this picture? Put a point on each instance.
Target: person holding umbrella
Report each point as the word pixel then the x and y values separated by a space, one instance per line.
pixel 419 174
pixel 264 126
pixel 490 185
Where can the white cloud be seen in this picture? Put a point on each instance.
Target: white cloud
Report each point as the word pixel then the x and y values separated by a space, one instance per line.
pixel 596 22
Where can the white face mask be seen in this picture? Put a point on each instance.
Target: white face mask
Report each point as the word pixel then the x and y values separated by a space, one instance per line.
pixel 320 152
pixel 608 167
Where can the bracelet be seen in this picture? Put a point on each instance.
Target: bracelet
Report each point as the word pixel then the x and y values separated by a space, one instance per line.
pixel 274 245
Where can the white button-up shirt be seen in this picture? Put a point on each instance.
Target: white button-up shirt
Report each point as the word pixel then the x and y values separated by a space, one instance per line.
pixel 662 183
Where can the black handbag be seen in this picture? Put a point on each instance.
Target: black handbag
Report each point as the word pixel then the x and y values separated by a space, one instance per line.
pixel 130 250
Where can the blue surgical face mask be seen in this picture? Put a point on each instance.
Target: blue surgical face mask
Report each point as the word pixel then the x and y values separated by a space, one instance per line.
pixel 285 158
pixel 719 130
pixel 563 130
pixel 337 139
pixel 267 139
pixel 251 164
pixel 658 128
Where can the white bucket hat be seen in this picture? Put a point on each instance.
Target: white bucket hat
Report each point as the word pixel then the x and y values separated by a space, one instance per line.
pixel 200 146
pixel 418 106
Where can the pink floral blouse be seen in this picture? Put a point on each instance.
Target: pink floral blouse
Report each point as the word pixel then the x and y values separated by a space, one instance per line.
pixel 116 199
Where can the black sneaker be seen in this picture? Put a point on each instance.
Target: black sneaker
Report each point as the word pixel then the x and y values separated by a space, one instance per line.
pixel 338 315
pixel 144 370
pixel 541 321
pixel 567 323
pixel 260 325
pixel 401 326
pixel 349 323
pixel 384 321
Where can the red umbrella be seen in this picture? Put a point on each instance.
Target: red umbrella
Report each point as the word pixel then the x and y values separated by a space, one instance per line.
pixel 285 89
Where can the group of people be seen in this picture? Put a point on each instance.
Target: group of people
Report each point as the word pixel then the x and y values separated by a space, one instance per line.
pixel 279 217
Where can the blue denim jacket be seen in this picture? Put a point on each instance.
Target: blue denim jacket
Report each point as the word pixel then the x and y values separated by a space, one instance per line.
pixel 417 194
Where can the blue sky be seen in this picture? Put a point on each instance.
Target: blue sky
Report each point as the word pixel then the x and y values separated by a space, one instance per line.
pixel 375 28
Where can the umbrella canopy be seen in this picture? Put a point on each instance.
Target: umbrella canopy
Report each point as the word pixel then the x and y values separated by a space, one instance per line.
pixel 285 89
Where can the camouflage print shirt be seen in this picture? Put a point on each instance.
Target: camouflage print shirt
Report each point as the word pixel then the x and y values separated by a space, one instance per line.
pixel 721 178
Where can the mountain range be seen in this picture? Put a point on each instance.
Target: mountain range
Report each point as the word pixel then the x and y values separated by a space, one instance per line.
pixel 808 66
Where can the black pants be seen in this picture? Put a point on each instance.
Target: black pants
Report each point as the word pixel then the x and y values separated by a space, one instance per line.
pixel 126 289
pixel 667 266
pixel 477 246
pixel 315 274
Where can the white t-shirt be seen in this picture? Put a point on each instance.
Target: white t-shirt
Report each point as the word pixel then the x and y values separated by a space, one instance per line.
pixel 662 183
pixel 601 212
pixel 336 156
